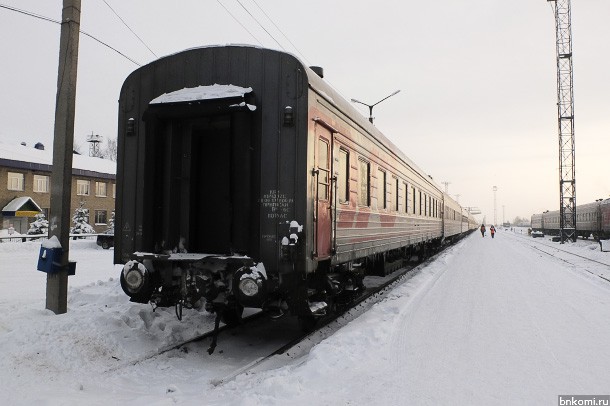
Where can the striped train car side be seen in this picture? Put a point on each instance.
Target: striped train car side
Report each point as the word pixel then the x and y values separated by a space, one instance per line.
pixel 592 220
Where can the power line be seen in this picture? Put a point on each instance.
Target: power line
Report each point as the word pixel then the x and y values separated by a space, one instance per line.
pixel 106 45
pixel 129 28
pixel 260 25
pixel 281 32
pixel 239 22
pixel 41 17
pixel 29 14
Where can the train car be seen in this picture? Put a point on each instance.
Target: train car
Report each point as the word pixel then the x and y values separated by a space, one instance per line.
pixel 588 220
pixel 592 219
pixel 473 224
pixel 550 222
pixel 604 209
pixel 536 222
pixel 454 221
pixel 245 180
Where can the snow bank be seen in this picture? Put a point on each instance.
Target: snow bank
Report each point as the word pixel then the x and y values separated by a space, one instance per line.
pixel 515 327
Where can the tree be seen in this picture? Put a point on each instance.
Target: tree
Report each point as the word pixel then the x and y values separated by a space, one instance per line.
pixel 40 225
pixel 81 221
pixel 111 149
pixel 520 221
pixel 111 222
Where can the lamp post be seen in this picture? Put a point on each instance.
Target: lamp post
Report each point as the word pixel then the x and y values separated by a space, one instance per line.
pixel 370 106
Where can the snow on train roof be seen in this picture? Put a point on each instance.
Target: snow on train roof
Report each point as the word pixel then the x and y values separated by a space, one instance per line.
pixel 214 91
pixel 29 154
pixel 326 91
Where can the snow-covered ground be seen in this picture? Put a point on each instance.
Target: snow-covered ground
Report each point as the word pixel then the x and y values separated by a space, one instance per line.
pixel 489 322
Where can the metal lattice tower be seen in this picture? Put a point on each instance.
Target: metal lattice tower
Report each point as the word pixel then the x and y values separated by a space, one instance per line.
pixel 565 108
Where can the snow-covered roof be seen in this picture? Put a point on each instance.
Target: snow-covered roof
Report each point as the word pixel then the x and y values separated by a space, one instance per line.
pixel 28 154
pixel 189 94
pixel 18 202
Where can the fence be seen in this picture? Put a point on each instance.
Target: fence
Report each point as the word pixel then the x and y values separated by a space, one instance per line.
pixel 30 237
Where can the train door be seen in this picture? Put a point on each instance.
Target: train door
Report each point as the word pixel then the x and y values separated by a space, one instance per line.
pixel 220 183
pixel 323 194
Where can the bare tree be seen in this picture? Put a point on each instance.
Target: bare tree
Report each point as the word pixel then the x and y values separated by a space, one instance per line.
pixel 111 149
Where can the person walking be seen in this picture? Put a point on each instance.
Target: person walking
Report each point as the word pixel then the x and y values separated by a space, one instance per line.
pixel 482 230
pixel 492 230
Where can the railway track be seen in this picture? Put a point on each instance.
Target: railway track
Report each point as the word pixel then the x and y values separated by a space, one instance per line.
pixel 601 269
pixel 289 341
pixel 327 326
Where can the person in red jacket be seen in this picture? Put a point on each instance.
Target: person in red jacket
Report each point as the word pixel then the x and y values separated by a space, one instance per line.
pixel 492 230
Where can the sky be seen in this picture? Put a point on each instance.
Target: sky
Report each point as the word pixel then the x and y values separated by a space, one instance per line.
pixel 477 106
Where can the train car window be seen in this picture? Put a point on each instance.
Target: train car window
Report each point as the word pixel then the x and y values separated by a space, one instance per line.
pixel 381 190
pixel 414 197
pixel 364 176
pixel 343 176
pixel 324 168
pixel 406 208
pixel 425 204
pixel 397 194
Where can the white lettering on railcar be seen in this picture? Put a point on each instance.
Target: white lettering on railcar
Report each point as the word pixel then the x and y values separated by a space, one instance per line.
pixel 276 205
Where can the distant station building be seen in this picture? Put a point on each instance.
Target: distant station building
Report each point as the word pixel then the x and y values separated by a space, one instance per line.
pixel 25 185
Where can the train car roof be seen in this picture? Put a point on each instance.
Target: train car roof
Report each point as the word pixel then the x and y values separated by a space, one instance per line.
pixel 326 91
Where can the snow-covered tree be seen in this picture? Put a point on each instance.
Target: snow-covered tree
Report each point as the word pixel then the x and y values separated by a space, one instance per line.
pixel 40 225
pixel 110 152
pixel 111 222
pixel 80 219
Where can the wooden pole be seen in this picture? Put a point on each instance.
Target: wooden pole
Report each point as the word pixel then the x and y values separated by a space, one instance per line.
pixel 63 143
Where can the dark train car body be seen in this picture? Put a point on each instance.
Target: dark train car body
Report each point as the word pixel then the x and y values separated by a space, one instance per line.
pixel 245 180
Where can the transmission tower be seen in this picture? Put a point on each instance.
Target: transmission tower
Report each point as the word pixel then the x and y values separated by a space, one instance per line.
pixel 565 109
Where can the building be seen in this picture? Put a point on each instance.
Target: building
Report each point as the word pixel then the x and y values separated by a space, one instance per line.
pixel 25 184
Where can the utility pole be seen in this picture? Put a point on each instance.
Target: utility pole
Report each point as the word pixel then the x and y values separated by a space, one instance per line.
pixel 565 110
pixel 63 143
pixel 446 186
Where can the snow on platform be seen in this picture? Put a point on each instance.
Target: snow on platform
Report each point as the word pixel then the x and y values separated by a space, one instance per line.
pixel 491 321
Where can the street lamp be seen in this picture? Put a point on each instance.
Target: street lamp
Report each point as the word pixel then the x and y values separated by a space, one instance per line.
pixel 370 106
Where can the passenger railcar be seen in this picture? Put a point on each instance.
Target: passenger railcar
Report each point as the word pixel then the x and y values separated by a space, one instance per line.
pixel 592 219
pixel 455 219
pixel 244 180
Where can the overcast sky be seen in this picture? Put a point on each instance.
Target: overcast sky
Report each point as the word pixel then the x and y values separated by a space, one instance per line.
pixel 477 106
